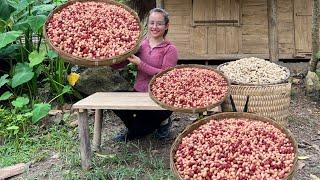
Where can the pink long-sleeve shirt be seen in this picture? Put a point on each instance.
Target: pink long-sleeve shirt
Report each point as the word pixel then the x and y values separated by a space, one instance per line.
pixel 153 61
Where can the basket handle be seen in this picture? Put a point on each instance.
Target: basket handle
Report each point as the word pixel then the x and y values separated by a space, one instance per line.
pixel 234 109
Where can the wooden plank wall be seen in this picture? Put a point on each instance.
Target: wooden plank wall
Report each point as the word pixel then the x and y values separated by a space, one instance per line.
pixel 251 37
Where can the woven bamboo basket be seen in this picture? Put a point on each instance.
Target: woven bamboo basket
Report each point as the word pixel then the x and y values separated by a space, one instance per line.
pixel 220 116
pixel 269 100
pixel 89 62
pixel 187 110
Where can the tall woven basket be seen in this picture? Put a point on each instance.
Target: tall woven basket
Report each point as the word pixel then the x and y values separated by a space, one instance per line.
pixel 271 101
pixel 268 100
pixel 225 115
pixel 89 62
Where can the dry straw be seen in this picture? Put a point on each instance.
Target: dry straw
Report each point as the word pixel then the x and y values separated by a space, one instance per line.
pixel 89 62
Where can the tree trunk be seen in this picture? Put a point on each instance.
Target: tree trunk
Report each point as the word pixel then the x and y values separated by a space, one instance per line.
pixel 315 36
pixel 273 30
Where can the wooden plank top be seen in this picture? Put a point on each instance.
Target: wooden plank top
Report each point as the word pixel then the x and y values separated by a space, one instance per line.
pixel 118 100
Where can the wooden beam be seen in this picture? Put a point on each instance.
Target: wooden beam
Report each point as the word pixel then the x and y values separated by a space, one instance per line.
pixel 273 30
pixel 160 4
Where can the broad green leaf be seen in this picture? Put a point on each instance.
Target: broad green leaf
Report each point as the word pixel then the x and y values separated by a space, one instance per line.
pixel 40 111
pixel 5 10
pixel 20 5
pixel 4 80
pixel 52 54
pixel 44 8
pixel 23 74
pixel 10 51
pixel 20 102
pixel 36 22
pixel 36 58
pixel 22 25
pixel 6 95
pixel 66 89
pixel 8 37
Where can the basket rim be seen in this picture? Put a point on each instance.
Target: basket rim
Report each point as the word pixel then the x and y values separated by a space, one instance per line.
pixel 188 110
pixel 84 61
pixel 220 116
pixel 234 82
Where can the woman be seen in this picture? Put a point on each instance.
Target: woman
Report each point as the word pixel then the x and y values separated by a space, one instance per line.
pixel 155 55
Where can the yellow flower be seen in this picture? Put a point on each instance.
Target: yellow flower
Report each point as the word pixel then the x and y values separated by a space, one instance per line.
pixel 73 78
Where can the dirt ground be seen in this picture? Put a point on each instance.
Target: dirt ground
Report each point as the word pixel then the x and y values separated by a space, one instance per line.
pixel 303 122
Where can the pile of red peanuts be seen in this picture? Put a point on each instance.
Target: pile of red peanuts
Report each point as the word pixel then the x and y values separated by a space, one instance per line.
pixel 235 149
pixel 94 30
pixel 189 87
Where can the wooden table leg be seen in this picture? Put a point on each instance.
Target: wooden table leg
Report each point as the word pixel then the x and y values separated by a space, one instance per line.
pixel 85 150
pixel 97 129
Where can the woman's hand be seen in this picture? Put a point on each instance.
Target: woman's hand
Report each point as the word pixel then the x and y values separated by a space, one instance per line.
pixel 134 59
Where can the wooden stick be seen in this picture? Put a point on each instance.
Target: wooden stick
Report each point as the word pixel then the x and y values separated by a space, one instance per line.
pixel 85 150
pixel 97 129
pixel 13 170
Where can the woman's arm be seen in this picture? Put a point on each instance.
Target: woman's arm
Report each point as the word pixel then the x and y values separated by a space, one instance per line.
pixel 170 59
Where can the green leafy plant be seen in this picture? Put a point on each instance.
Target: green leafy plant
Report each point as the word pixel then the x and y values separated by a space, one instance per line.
pixel 12 124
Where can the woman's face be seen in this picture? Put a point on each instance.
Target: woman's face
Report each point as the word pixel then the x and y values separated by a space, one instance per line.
pixel 156 25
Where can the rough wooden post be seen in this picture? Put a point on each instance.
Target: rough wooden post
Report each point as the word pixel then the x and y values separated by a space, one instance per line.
pixel 85 150
pixel 160 3
pixel 315 35
pixel 273 31
pixel 97 129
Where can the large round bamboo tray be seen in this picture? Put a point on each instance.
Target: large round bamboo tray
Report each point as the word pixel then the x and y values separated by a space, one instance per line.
pixel 187 110
pixel 232 81
pixel 89 62
pixel 271 101
pixel 221 116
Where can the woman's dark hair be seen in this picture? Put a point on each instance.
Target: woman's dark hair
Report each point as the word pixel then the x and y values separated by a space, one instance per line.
pixel 165 15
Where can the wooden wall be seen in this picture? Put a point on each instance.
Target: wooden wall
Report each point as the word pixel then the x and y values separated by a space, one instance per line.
pixel 248 38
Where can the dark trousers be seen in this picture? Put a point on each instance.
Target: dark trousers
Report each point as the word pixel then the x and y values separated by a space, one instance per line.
pixel 142 122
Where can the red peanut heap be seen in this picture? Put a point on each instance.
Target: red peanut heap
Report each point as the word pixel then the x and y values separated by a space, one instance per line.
pixel 190 87
pixel 93 30
pixel 235 149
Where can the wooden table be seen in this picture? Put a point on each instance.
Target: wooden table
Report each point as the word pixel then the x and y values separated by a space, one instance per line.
pixel 100 101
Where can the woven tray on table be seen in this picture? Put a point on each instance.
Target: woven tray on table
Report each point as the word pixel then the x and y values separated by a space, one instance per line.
pixel 269 100
pixel 89 62
pixel 221 116
pixel 187 110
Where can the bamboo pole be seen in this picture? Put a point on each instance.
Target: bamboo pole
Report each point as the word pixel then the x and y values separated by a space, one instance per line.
pixel 273 31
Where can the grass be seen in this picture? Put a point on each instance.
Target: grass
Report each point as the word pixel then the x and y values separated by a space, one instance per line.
pixel 130 162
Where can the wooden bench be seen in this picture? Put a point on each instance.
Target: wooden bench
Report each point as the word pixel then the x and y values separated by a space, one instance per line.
pixel 100 101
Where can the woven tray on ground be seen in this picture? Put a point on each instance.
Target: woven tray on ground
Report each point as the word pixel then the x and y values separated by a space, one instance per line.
pixel 221 116
pixel 89 62
pixel 271 101
pixel 287 71
pixel 187 110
